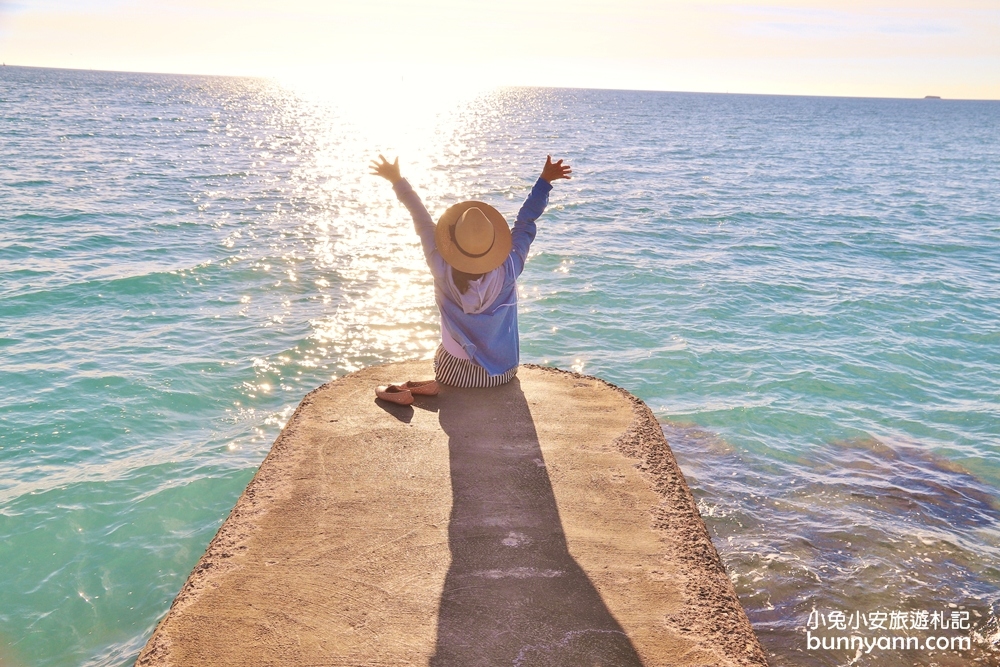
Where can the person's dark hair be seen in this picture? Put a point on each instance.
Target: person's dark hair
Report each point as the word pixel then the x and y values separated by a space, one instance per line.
pixel 462 279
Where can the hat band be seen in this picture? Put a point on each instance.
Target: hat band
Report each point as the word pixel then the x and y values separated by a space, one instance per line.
pixel 451 232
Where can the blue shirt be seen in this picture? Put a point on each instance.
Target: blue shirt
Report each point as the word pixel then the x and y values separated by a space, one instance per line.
pixel 490 336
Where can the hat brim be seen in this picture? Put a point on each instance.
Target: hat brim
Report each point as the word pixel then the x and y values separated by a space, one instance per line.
pixel 454 256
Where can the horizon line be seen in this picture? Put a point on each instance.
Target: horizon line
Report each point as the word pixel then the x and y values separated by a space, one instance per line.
pixel 276 78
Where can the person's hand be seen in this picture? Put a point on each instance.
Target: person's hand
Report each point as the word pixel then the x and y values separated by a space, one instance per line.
pixel 555 170
pixel 387 170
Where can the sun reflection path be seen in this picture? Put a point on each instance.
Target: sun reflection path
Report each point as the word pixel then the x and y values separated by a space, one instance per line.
pixel 333 275
pixel 364 255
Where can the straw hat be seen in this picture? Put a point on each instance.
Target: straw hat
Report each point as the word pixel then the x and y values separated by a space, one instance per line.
pixel 473 237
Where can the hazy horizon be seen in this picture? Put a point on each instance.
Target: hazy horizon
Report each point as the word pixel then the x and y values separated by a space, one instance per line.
pixel 606 88
pixel 889 49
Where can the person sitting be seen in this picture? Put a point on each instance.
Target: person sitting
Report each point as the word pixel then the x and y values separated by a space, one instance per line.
pixel 475 259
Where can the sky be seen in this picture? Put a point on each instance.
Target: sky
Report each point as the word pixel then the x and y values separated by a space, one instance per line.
pixel 880 48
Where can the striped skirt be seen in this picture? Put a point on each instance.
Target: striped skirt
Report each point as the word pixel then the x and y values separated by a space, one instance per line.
pixel 457 372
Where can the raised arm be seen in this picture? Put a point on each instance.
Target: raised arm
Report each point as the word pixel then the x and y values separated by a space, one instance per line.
pixel 422 221
pixel 387 170
pixel 524 228
pixel 553 171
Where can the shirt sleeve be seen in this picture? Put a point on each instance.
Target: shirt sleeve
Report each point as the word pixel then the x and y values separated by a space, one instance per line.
pixel 524 228
pixel 423 224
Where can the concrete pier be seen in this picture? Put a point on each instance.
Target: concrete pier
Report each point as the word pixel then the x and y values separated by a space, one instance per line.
pixel 539 524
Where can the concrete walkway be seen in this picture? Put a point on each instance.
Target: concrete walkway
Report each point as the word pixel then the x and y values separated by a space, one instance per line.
pixel 540 524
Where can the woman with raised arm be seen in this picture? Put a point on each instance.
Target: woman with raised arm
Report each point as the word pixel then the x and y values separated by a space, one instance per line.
pixel 475 259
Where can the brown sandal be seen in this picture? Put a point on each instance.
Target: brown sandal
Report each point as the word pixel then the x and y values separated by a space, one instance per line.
pixel 395 394
pixel 422 387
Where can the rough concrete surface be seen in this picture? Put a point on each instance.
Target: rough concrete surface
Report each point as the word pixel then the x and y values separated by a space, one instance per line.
pixel 539 524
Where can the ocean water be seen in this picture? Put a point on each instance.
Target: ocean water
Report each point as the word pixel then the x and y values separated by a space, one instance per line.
pixel 804 290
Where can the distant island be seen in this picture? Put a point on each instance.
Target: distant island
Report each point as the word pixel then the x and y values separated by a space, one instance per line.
pixel 932 97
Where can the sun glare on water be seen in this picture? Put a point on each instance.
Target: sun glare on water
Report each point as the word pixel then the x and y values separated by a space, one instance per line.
pixel 364 254
pixel 388 111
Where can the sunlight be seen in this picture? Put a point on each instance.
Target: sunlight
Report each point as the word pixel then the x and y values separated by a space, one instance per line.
pixel 390 109
pixel 363 248
pixel 806 47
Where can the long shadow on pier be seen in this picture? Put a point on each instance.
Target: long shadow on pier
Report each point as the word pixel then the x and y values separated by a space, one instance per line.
pixel 513 594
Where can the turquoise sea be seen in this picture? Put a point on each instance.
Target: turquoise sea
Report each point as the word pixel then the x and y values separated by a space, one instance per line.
pixel 806 291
